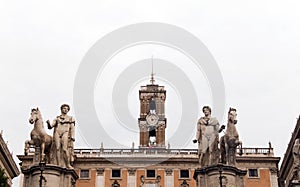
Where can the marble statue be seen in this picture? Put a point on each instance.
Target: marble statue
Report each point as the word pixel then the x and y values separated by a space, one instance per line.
pixel 157 181
pixel 64 137
pixel 296 153
pixel 208 138
pixel 184 184
pixel 39 137
pixel 142 180
pixel 230 140
pixel 296 156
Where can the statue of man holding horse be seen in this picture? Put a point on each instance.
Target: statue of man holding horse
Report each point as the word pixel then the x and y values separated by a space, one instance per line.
pixel 64 136
pixel 208 138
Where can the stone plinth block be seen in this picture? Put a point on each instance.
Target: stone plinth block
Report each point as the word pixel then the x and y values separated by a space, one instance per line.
pixel 210 176
pixel 295 183
pixel 53 176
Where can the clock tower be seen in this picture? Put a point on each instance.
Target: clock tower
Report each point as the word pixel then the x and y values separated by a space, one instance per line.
pixel 152 121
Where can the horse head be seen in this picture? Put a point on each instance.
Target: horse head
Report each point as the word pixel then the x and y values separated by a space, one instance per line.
pixel 34 115
pixel 232 115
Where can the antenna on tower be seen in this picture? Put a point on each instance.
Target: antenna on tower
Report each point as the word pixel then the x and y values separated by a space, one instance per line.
pixel 152 74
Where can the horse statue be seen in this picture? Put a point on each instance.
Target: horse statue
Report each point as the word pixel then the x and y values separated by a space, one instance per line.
pixel 230 140
pixel 39 137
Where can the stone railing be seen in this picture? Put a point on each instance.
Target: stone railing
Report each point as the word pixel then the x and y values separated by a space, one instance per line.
pixel 256 151
pixel 166 152
pixel 151 152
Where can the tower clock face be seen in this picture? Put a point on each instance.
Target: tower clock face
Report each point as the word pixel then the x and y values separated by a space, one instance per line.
pixel 152 119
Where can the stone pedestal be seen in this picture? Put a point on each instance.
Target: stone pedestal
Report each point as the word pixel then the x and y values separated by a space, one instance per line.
pixel 295 183
pixel 53 176
pixel 210 176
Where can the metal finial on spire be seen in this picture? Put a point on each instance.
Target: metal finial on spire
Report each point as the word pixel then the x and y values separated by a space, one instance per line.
pixel 152 74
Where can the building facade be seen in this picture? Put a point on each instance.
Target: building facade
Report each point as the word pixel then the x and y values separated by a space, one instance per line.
pixel 153 164
pixel 7 163
pixel 290 167
pixel 165 168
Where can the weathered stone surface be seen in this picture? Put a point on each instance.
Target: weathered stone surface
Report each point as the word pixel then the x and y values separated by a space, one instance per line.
pixel 210 176
pixel 64 137
pixel 230 140
pixel 40 140
pixel 207 137
pixel 53 176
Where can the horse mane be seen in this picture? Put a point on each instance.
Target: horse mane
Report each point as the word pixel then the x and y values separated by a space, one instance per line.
pixel 232 109
pixel 35 110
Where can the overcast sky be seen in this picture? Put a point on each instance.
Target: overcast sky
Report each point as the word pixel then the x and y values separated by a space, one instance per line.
pixel 255 44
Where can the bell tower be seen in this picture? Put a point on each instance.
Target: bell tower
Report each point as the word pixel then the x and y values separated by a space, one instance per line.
pixel 152 121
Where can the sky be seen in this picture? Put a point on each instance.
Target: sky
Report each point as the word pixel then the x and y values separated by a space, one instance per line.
pixel 254 43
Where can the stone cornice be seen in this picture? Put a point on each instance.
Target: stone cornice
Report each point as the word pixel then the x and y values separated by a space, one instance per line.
pixel 7 159
pixel 49 167
pixel 257 159
pixel 217 167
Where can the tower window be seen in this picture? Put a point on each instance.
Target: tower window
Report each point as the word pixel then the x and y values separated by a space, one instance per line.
pixel 152 132
pixel 184 173
pixel 152 106
pixel 84 174
pixel 152 137
pixel 253 173
pixel 116 173
pixel 150 173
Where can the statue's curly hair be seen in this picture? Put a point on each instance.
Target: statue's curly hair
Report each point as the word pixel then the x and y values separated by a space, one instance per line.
pixel 206 107
pixel 65 105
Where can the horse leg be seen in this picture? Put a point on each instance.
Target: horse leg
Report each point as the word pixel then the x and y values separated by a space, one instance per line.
pixel 226 152
pixel 27 146
pixel 47 151
pixel 222 150
pixel 200 158
pixel 43 151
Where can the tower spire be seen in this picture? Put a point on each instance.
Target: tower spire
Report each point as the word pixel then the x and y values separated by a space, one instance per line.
pixel 152 74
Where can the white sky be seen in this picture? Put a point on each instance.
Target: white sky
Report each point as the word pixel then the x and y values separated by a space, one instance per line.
pixel 255 43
